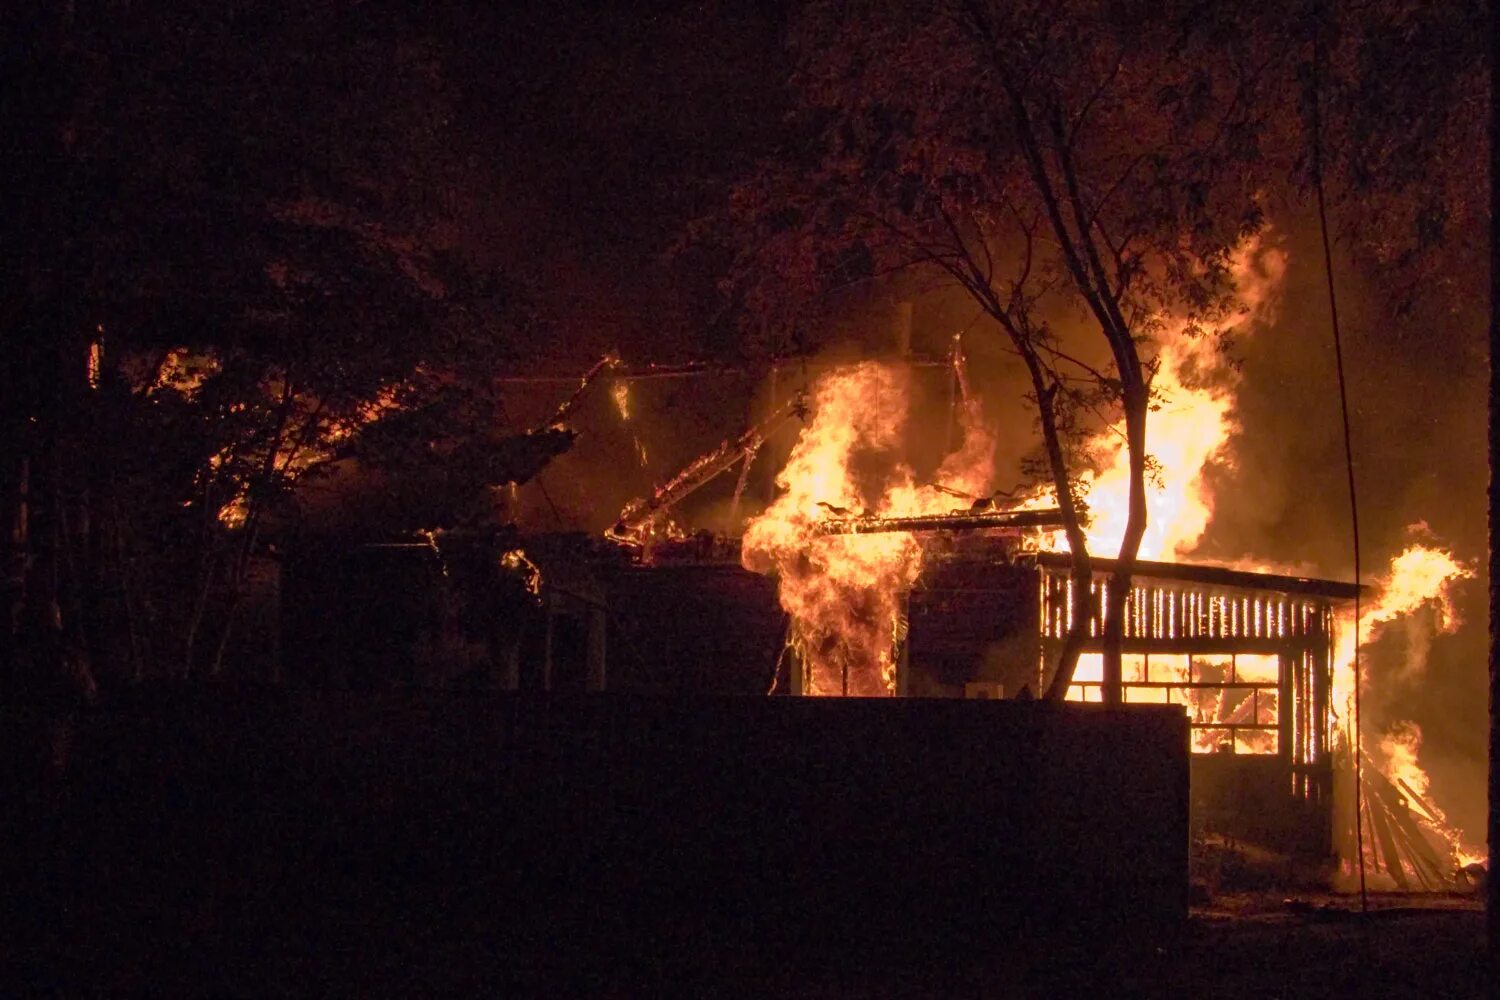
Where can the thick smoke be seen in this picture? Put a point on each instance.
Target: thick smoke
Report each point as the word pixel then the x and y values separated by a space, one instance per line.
pixel 1417 389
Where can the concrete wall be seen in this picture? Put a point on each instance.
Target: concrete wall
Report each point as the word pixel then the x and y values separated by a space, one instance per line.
pixel 251 842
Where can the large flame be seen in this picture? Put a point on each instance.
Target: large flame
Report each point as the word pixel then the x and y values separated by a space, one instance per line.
pixel 844 593
pixel 1397 754
pixel 1189 426
pixel 1421 579
pixel 1187 433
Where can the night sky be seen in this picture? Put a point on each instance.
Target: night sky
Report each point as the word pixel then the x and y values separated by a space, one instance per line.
pixel 605 129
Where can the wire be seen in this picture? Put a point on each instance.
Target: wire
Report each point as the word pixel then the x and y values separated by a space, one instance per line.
pixel 657 373
pixel 1338 357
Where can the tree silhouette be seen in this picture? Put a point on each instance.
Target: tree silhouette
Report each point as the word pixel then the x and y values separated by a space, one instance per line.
pixel 234 245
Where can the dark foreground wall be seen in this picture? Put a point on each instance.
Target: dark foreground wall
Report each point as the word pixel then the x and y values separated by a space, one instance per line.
pixel 253 843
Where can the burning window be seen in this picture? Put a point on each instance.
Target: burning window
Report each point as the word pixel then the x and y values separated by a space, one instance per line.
pixel 1232 699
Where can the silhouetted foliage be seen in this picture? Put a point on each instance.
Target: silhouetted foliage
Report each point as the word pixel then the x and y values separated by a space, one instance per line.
pixel 235 244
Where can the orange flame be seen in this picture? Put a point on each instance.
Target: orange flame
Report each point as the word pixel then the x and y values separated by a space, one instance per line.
pixel 1188 429
pixel 1398 752
pixel 844 592
pixel 1188 432
pixel 1420 577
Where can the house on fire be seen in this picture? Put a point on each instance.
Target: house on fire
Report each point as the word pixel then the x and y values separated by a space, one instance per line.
pixel 1248 656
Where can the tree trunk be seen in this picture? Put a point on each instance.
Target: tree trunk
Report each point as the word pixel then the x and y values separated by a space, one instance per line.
pixel 1081 609
pixel 1136 399
pixel 236 590
pixel 203 583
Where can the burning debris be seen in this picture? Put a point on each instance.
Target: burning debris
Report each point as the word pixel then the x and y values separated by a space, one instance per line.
pixel 643 519
pixel 868 524
pixel 1409 841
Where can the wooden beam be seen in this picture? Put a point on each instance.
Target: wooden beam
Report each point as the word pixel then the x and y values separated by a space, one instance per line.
pixel 953 521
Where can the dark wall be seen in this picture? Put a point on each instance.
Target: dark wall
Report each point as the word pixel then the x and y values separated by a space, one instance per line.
pixel 700 629
pixel 973 620
pixel 1249 798
pixel 258 842
pixel 359 615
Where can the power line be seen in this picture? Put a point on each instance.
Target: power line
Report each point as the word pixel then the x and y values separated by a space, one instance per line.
pixel 1338 357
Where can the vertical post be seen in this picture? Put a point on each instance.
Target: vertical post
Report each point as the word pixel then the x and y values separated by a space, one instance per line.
pixel 511 680
pixel 598 630
pixel 1286 667
pixel 903 658
pixel 551 608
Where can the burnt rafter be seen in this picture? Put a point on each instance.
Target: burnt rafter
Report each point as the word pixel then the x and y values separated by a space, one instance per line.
pixel 639 515
pixel 955 521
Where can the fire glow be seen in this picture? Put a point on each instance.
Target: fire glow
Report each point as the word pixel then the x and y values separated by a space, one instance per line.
pixel 845 593
pixel 1422 578
pixel 1188 429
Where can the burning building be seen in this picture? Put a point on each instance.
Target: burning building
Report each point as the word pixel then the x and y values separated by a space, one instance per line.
pixel 885 563
pixel 1248 656
pixel 893 583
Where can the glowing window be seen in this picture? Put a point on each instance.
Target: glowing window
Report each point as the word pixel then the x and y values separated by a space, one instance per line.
pixel 1212 669
pixel 1255 741
pixel 1085 692
pixel 1169 667
pixel 1210 740
pixel 1257 668
pixel 1265 708
pixel 1090 668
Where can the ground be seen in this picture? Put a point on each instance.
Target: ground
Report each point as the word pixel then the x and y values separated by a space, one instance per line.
pixel 1247 945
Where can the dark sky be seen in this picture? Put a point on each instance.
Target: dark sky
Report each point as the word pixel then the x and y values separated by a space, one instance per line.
pixel 604 129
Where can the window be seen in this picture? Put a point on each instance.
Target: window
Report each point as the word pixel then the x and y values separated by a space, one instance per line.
pixel 1232 700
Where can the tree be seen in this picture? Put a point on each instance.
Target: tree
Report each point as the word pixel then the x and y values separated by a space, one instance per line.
pixel 235 242
pixel 1400 89
pixel 1044 157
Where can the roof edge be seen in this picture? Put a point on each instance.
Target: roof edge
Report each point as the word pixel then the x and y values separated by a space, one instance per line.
pixel 1217 575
